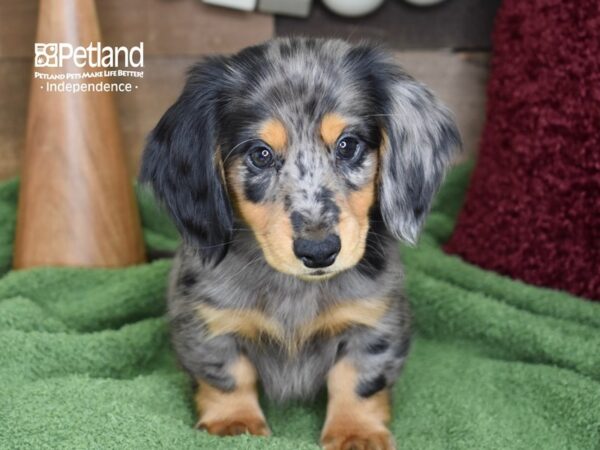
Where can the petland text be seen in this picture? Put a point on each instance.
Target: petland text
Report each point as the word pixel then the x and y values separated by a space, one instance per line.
pixel 56 54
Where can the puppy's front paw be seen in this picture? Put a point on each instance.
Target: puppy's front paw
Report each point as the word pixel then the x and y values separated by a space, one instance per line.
pixel 354 436
pixel 236 424
pixel 229 413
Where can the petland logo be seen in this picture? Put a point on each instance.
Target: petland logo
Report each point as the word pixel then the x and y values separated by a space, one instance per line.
pixel 55 54
pixel 81 69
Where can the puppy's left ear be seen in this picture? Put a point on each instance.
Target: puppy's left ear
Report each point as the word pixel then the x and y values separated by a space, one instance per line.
pixel 420 140
pixel 182 163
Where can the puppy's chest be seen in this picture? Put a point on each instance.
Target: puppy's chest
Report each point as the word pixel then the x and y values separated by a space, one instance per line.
pixel 291 321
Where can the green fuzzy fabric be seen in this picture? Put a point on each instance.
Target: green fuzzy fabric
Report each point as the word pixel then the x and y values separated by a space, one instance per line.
pixel 85 360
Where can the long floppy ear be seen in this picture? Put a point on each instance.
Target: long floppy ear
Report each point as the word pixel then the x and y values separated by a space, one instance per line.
pixel 420 140
pixel 181 162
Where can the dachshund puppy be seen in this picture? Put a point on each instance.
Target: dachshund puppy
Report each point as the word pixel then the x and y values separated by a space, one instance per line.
pixel 291 169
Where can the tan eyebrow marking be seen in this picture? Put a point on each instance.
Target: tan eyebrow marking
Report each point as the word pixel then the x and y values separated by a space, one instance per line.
pixel 332 126
pixel 273 133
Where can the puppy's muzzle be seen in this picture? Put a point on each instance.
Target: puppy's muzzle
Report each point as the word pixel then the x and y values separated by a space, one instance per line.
pixel 317 254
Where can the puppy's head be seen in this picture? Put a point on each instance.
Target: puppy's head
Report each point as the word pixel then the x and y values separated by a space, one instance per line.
pixel 304 140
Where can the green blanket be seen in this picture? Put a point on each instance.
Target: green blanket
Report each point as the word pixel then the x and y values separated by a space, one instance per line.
pixel 85 360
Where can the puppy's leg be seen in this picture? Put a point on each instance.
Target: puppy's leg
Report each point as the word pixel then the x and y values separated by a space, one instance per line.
pixel 355 422
pixel 232 412
pixel 358 408
pixel 226 399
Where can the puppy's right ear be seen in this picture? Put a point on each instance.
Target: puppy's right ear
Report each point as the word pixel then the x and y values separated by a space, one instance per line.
pixel 181 162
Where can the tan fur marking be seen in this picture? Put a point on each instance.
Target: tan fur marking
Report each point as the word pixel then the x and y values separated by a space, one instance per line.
pixel 352 421
pixel 354 222
pixel 278 247
pixel 255 325
pixel 332 126
pixel 273 133
pixel 235 412
pixel 385 141
pixel 269 222
pixel 336 319
pixel 360 203
pixel 218 161
pixel 256 215
pixel 273 231
pixel 248 323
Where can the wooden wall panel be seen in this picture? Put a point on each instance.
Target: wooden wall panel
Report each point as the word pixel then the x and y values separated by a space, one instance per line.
pixel 176 33
pixel 456 24
pixel 167 27
pixel 18 19
pixel 199 28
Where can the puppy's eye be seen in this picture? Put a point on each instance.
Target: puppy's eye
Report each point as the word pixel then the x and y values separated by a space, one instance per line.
pixel 349 148
pixel 262 157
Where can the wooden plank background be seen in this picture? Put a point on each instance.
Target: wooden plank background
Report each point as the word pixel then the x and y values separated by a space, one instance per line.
pixel 167 27
pixel 456 24
pixel 176 33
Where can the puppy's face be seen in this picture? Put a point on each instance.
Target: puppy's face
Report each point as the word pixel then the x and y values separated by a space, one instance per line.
pixel 305 185
pixel 307 142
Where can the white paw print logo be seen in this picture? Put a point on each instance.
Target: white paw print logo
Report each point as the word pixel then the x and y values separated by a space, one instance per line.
pixel 46 55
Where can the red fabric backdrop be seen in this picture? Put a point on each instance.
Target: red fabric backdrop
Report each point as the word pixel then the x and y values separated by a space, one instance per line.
pixel 533 206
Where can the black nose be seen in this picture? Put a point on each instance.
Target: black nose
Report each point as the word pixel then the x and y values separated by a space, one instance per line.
pixel 316 254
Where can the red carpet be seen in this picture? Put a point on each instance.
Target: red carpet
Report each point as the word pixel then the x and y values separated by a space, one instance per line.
pixel 533 207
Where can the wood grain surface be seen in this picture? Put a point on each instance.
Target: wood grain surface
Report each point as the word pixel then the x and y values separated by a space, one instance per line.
pixel 76 203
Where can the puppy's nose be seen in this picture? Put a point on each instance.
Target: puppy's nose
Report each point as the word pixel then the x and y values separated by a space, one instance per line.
pixel 315 254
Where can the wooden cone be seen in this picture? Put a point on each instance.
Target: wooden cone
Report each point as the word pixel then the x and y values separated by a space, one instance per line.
pixel 76 202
